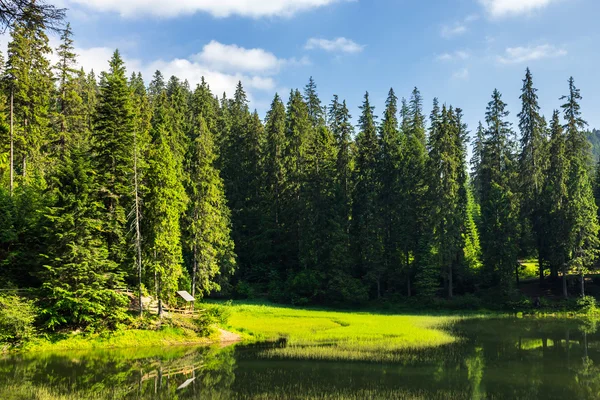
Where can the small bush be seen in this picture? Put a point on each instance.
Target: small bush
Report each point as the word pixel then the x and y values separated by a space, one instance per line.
pixel 17 316
pixel 219 313
pixel 587 304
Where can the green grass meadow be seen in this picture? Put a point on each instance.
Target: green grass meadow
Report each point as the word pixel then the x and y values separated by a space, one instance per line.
pixel 336 335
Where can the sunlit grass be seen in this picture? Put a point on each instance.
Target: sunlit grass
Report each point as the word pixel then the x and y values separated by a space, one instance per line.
pixel 132 338
pixel 332 335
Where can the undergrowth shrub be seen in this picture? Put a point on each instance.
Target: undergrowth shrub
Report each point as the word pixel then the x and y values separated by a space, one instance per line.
pixel 588 305
pixel 17 316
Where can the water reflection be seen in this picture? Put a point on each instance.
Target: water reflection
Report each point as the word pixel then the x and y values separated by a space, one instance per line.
pixel 498 359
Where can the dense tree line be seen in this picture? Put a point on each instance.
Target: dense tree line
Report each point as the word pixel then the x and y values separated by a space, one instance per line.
pixel 107 182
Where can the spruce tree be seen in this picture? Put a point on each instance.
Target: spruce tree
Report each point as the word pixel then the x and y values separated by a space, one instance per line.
pixel 275 183
pixel 79 279
pixel 112 144
pixel 532 161
pixel 316 112
pixel 69 117
pixel 499 203
pixel 413 176
pixel 165 205
pixel 29 76
pixel 582 211
pixel 367 241
pixel 209 226
pixel 390 200
pixel 556 201
pixel 445 156
pixel 297 135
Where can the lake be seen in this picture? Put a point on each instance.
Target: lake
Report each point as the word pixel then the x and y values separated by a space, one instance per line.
pixel 506 358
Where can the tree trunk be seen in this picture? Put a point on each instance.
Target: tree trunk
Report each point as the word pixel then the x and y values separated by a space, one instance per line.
pixel 12 146
pixel 450 283
pixel 194 272
pixel 582 280
pixel 159 295
pixel 517 273
pixel 378 287
pixel 564 284
pixel 138 234
pixel 540 268
pixel 408 289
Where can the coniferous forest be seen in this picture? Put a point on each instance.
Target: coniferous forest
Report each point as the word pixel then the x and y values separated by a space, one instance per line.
pixel 111 180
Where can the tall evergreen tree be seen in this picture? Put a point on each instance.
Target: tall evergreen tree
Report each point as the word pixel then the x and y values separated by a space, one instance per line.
pixel 79 278
pixel 582 211
pixel 112 143
pixel 29 76
pixel 532 161
pixel 208 216
pixel 165 204
pixel 297 135
pixel 413 177
pixel 555 202
pixel 390 200
pixel 316 112
pixel 367 241
pixel 275 182
pixel 444 193
pixel 69 117
pixel 499 205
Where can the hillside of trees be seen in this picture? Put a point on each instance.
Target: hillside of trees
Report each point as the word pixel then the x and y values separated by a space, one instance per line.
pixel 110 181
pixel 594 137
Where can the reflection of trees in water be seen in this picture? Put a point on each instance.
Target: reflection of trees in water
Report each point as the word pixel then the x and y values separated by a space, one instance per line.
pixel 506 358
pixel 148 374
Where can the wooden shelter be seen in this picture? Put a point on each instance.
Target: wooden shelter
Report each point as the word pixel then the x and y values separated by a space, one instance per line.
pixel 189 300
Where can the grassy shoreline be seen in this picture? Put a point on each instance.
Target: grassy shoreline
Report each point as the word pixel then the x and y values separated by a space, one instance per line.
pixel 319 333
pixel 122 339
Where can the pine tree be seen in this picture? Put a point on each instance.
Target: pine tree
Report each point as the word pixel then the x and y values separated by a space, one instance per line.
pixel 79 278
pixel 90 98
pixel 555 202
pixel 275 182
pixel 297 135
pixel 142 115
pixel 532 164
pixel 165 204
pixel 477 158
pixel 390 200
pixel 582 211
pixel 344 286
pixel 316 112
pixel 367 241
pixel 208 216
pixel 445 156
pixel 29 76
pixel 112 143
pixel 413 176
pixel 499 206
pixel 69 122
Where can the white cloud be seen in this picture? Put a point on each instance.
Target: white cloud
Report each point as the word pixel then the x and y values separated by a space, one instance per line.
pixel 216 8
pixel 503 8
pixel 517 55
pixel 462 74
pixel 453 30
pixel 457 55
pixel 340 44
pixel 219 64
pixel 224 57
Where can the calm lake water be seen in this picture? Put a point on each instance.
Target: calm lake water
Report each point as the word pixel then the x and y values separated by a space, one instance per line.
pixel 497 359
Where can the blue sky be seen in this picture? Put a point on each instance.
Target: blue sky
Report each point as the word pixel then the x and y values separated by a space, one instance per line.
pixel 457 50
